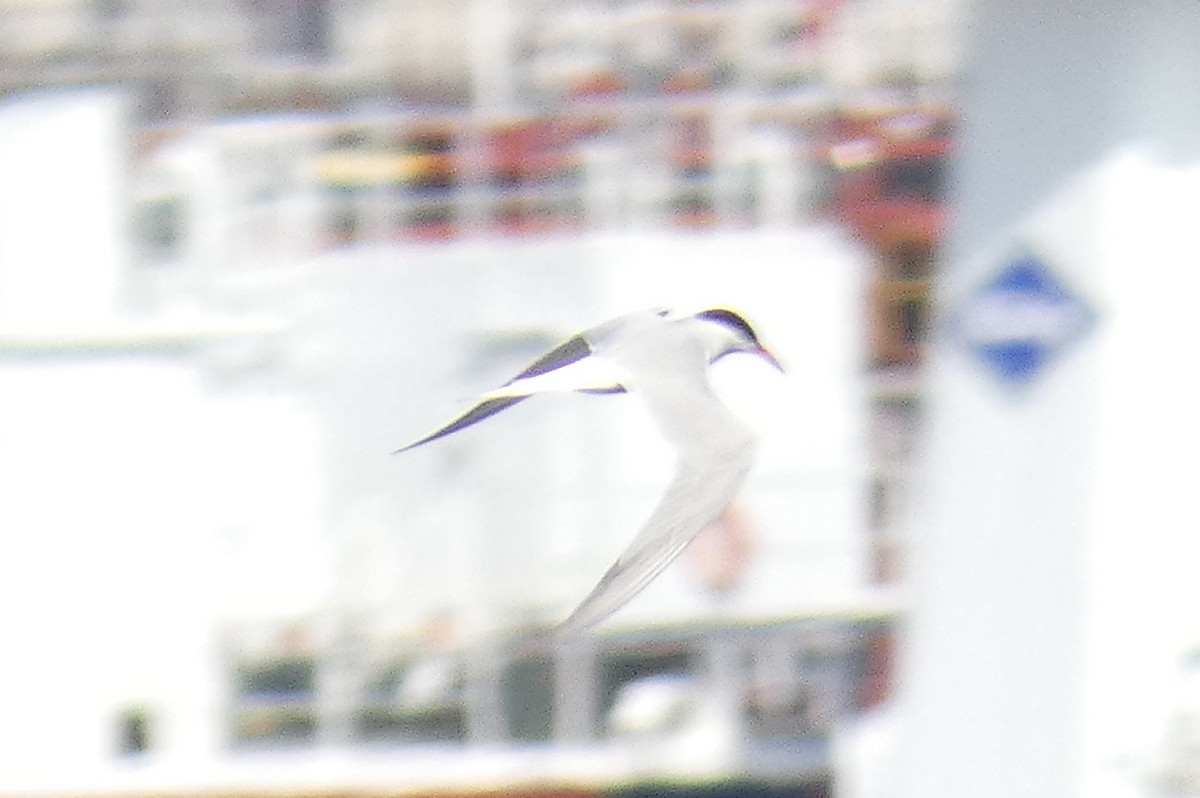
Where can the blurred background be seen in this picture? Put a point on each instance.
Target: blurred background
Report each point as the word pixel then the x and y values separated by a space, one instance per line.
pixel 250 247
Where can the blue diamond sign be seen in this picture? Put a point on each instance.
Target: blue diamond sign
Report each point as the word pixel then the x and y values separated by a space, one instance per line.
pixel 1020 320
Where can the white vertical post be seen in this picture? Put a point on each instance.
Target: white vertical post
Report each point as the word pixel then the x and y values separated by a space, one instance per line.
pixel 1047 570
pixel 63 247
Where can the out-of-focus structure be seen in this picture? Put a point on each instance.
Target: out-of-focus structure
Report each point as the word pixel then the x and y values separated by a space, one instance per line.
pixel 298 232
pixel 1050 638
pixel 320 124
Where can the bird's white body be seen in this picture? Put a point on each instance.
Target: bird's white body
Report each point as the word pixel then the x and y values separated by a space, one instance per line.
pixel 664 359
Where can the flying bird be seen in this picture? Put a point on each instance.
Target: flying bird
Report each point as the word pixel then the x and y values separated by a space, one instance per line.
pixel 663 358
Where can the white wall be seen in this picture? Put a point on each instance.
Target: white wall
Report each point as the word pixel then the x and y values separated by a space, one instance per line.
pixel 151 492
pixel 63 247
pixel 164 476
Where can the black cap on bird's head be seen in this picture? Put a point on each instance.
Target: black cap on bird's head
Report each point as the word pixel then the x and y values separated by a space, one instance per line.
pixel 744 339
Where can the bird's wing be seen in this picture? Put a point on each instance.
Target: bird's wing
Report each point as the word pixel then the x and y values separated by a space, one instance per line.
pixel 715 451
pixel 567 367
pixel 704 484
pixel 482 410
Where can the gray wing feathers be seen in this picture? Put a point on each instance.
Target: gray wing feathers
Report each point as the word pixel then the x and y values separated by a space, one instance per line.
pixel 667 362
pixel 571 351
pixel 698 494
pixel 479 412
pixel 715 452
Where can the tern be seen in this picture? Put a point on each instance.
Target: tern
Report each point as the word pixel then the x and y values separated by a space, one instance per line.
pixel 663 358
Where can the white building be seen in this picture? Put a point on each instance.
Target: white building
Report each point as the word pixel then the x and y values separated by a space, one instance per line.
pixel 196 459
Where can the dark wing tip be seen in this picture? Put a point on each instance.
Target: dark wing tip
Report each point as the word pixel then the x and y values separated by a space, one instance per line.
pixel 730 319
pixel 414 444
pixel 479 412
pixel 570 351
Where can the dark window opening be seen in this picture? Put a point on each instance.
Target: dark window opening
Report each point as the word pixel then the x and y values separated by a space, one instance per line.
pixel 294 29
pixel 920 179
pixel 283 676
pixel 692 202
pixel 394 712
pixel 878 504
pixel 275 701
pixel 159 227
pixel 345 222
pixel 430 142
pixel 431 214
pixel 619 668
pixel 159 100
pixel 528 695
pixel 133 731
pixel 911 320
pixel 910 260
